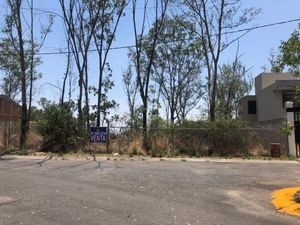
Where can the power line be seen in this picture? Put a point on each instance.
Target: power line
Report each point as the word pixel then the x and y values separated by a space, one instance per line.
pixel 46 10
pixel 264 26
pixel 224 33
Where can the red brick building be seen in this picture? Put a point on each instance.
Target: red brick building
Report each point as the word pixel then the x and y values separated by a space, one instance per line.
pixel 9 110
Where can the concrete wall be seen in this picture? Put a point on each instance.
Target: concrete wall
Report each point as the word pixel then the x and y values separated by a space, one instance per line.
pixel 269 104
pixel 268 101
pixel 244 109
pixel 269 132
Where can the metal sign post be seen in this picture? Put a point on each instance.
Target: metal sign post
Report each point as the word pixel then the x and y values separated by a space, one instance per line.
pixel 107 142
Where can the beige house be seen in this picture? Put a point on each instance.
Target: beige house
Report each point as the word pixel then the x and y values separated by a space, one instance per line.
pixel 272 90
pixel 273 104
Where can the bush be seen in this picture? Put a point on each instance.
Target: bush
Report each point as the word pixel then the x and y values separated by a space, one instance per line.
pixel 202 138
pixel 58 128
pixel 228 137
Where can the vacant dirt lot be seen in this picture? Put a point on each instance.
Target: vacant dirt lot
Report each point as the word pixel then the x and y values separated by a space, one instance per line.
pixel 33 192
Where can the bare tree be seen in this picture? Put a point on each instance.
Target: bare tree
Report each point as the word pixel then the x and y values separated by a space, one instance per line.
pixel 143 69
pixel 15 32
pixel 213 20
pixel 80 20
pixel 177 68
pixel 104 35
pixel 19 60
pixel 66 75
pixel 35 48
pixel 131 90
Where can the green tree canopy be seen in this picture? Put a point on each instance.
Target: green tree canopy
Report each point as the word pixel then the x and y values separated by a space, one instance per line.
pixel 9 64
pixel 289 55
pixel 234 82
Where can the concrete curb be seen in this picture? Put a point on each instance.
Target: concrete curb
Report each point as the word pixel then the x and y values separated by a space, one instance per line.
pixel 150 159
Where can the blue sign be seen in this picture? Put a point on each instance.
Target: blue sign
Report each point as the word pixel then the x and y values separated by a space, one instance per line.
pixel 98 134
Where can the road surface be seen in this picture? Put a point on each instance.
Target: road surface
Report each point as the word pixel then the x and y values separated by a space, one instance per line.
pixel 67 192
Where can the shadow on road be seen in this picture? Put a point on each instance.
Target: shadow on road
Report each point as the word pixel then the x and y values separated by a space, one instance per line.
pixel 6 159
pixel 100 165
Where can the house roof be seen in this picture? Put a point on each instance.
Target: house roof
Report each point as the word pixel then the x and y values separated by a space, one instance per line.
pixel 10 100
pixel 249 97
pixel 281 85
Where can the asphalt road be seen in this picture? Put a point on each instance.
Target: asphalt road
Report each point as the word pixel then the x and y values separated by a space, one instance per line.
pixel 58 192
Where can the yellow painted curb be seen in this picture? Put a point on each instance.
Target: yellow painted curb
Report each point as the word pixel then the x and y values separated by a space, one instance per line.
pixel 283 200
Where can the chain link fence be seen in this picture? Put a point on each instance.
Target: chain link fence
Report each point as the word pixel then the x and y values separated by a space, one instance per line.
pixel 195 141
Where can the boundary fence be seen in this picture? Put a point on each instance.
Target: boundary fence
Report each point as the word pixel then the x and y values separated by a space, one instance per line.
pixel 193 141
pixel 190 141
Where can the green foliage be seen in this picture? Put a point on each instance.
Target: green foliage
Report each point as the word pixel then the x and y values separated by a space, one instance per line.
pixel 202 138
pixel 297 95
pixel 9 64
pixel 157 152
pixel 36 114
pixel 107 105
pixel 289 56
pixel 177 67
pixel 234 83
pixel 228 137
pixel 286 128
pixel 58 128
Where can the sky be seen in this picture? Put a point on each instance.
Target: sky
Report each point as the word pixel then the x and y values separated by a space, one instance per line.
pixel 254 48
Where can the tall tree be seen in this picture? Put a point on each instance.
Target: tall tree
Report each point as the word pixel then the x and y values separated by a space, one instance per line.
pixel 111 12
pixel 66 76
pixel 14 26
pixel 107 105
pixel 177 67
pixel 15 29
pixel 80 20
pixel 35 47
pixel 213 20
pixel 143 68
pixel 131 91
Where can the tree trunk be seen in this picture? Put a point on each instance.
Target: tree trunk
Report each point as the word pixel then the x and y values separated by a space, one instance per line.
pixel 24 122
pixel 66 76
pixel 80 120
pixel 31 65
pixel 87 99
pixel 145 135
pixel 99 90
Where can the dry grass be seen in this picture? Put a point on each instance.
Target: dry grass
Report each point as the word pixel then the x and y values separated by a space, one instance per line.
pixel 162 144
pixel 34 140
pixel 135 147
pixel 10 138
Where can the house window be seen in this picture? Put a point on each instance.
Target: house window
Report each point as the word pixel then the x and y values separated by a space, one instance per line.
pixel 252 107
pixel 289 96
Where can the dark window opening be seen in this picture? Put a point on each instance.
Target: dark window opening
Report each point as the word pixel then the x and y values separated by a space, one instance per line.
pixel 289 96
pixel 252 107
